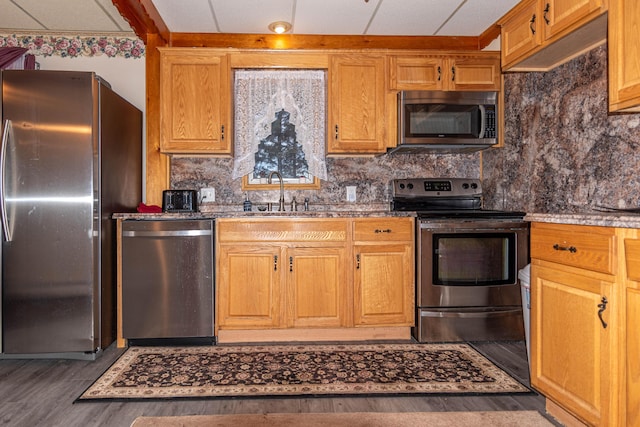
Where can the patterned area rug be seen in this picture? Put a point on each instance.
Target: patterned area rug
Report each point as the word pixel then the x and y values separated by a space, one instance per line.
pixel 299 370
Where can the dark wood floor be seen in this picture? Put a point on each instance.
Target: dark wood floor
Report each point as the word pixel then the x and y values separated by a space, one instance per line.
pixel 41 393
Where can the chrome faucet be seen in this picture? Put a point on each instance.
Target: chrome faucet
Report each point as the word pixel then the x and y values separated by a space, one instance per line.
pixel 281 201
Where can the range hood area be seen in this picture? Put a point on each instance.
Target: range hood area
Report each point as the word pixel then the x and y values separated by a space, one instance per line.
pixel 440 147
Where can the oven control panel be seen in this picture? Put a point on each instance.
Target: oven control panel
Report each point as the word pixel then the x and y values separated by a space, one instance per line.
pixel 436 187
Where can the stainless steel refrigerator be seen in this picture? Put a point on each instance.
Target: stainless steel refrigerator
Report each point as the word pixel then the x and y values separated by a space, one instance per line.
pixel 71 156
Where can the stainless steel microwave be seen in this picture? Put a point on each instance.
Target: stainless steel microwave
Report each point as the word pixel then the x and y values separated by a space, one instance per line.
pixel 446 122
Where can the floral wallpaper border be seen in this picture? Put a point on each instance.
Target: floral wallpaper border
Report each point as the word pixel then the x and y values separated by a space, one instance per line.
pixel 76 46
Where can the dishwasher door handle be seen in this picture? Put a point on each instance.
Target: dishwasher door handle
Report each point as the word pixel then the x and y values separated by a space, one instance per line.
pixel 168 233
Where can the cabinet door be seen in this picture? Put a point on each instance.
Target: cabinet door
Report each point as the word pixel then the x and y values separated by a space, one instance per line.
pixel 317 294
pixel 416 73
pixel 521 32
pixel 631 352
pixel 474 74
pixel 194 99
pixel 384 290
pixel 249 286
pixel 624 55
pixel 357 104
pixel 571 347
pixel 561 15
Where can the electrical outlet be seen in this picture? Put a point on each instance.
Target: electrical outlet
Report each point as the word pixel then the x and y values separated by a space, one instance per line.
pixel 207 195
pixel 351 193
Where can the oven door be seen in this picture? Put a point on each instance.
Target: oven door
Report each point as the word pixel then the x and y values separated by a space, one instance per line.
pixel 467 286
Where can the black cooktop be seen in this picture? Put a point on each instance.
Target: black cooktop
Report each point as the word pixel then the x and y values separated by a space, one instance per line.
pixel 470 214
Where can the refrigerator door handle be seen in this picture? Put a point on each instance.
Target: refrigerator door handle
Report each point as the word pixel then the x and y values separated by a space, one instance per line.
pixel 3 158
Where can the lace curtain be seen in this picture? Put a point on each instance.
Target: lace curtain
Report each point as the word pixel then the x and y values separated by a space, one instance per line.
pixel 260 94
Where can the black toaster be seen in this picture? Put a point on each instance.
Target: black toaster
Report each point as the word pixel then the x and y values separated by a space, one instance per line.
pixel 179 201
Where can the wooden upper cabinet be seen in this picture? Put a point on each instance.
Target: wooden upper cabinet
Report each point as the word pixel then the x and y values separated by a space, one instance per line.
pixel 561 15
pixel 521 32
pixel 474 73
pixel 416 73
pixel 468 72
pixel 194 102
pixel 624 55
pixel 538 35
pixel 356 104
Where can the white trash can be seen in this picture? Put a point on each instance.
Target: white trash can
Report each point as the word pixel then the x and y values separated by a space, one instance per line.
pixel 524 276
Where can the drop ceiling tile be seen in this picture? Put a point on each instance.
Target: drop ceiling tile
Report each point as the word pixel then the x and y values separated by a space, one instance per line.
pixel 412 17
pixel 251 16
pixel 333 16
pixel 113 14
pixel 61 15
pixel 196 18
pixel 475 16
pixel 14 18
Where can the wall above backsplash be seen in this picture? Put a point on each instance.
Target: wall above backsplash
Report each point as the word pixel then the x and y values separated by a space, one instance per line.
pixel 370 175
pixel 563 151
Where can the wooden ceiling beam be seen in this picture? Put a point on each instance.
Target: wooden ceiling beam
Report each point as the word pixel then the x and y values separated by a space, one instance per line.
pixel 304 41
pixel 144 18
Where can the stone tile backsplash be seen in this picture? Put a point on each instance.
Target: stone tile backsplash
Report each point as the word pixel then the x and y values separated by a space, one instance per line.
pixel 564 152
pixel 370 175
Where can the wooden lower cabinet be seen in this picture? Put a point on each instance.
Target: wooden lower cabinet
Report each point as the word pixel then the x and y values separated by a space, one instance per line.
pixel 249 291
pixel 309 274
pixel 384 272
pixel 572 359
pixel 316 295
pixel 631 351
pixel 585 312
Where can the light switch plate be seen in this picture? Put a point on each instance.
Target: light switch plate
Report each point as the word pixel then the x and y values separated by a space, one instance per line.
pixel 351 193
pixel 207 195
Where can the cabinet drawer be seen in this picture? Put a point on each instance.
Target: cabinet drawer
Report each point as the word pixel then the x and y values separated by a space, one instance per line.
pixel 587 247
pixel 282 230
pixel 383 229
pixel 632 257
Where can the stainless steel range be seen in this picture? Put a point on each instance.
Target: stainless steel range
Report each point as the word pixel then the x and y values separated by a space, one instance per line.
pixel 467 261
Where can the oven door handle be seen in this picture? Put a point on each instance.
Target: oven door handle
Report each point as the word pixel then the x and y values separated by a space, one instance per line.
pixel 469 314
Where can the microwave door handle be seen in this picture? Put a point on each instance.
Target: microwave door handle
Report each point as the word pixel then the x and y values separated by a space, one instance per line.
pixel 483 118
pixel 3 160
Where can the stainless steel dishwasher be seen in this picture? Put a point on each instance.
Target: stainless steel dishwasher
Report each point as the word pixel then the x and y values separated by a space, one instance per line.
pixel 167 280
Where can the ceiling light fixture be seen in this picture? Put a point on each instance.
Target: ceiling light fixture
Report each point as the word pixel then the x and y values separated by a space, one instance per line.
pixel 279 27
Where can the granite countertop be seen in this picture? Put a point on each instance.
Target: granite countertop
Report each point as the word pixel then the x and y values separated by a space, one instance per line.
pixel 606 219
pixel 316 211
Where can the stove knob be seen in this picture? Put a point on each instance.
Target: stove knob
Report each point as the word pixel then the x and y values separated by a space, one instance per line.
pixel 465 185
pixel 410 186
pixel 474 185
pixel 402 185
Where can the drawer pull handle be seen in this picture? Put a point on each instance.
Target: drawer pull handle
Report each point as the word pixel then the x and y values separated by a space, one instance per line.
pixel 290 263
pixel 531 23
pixel 388 230
pixel 358 262
pixel 222 133
pixel 336 132
pixel 275 263
pixel 571 249
pixel 546 10
pixel 601 308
